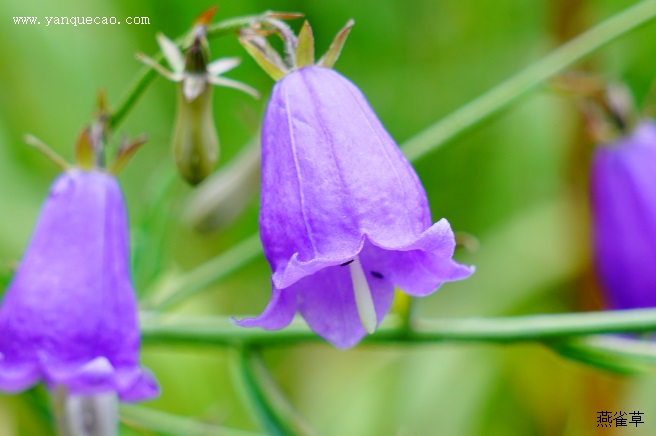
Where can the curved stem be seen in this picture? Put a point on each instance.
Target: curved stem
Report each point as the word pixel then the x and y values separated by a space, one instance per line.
pixel 255 380
pixel 509 91
pixel 617 354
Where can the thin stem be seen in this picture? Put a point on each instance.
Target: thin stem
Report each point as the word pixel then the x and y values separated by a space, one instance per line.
pixel 617 354
pixel 194 281
pixel 213 330
pixel 161 422
pixel 509 91
pixel 147 74
pixel 148 251
pixel 254 378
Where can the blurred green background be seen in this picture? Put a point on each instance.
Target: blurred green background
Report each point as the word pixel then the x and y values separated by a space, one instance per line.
pixel 517 183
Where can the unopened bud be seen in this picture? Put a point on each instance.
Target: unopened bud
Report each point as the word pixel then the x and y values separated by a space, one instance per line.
pixel 195 140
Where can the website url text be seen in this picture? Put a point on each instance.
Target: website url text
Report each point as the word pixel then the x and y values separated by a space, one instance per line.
pixel 78 21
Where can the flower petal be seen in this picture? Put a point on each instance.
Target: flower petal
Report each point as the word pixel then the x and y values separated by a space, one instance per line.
pixel 136 384
pixel 332 174
pixel 421 266
pixel 70 315
pixel 93 377
pixel 193 85
pixel 624 210
pixel 171 52
pixel 16 377
pixel 222 65
pixel 278 313
pixel 327 302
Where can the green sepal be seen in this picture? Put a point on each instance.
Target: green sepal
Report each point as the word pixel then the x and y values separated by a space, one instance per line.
pixel 328 60
pixel 84 153
pixel 305 49
pixel 125 153
pixel 262 52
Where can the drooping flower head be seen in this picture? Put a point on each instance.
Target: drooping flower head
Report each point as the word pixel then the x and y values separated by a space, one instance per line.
pixel 194 140
pixel 624 217
pixel 622 191
pixel 344 217
pixel 69 316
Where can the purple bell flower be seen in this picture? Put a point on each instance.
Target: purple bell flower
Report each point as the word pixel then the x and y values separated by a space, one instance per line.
pixel 344 218
pixel 624 215
pixel 69 317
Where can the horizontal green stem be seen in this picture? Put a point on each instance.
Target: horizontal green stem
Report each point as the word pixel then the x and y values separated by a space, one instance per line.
pixel 214 330
pixel 509 91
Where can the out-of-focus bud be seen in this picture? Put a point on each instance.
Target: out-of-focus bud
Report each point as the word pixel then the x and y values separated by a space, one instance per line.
pixel 195 140
pixel 624 215
pixel 223 196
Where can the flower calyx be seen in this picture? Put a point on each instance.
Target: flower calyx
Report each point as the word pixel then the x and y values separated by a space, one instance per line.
pixel 90 145
pixel 608 107
pixel 193 68
pixel 299 50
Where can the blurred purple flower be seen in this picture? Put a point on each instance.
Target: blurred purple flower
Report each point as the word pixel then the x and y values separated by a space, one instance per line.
pixel 344 217
pixel 624 214
pixel 69 317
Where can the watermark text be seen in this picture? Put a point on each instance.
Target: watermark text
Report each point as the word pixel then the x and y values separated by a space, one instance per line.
pixel 79 21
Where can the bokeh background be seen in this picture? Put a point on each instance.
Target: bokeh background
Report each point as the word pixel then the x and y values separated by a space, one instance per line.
pixel 517 183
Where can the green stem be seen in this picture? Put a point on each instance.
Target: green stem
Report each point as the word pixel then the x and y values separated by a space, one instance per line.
pixel 147 74
pixel 160 422
pixel 214 330
pixel 509 91
pixel 255 380
pixel 194 281
pixel 148 251
pixel 617 354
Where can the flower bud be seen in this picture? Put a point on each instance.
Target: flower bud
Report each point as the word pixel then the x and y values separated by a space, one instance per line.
pixel 624 215
pixel 195 140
